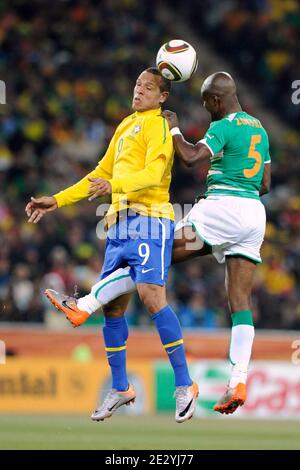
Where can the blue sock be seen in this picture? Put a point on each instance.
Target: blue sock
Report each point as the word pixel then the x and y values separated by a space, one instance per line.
pixel 170 334
pixel 115 333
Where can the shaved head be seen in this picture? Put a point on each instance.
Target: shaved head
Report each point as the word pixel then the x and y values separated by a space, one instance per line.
pixel 220 84
pixel 219 95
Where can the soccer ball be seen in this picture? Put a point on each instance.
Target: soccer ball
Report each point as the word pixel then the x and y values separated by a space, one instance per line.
pixel 177 60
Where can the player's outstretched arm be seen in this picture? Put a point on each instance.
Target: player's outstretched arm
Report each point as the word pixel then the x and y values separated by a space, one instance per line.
pixel 189 153
pixel 38 207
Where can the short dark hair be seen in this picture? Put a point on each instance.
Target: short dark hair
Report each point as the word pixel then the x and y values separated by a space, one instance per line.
pixel 165 84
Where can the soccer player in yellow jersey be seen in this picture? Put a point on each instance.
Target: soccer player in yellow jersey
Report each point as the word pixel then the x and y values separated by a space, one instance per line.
pixel 136 170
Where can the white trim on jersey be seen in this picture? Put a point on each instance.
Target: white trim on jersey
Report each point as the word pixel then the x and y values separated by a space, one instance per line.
pixel 268 161
pixel 163 249
pixel 203 141
pixel 215 172
pixel 231 188
pixel 231 117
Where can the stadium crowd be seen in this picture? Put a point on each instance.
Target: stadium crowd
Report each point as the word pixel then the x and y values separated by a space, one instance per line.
pixel 69 69
pixel 261 37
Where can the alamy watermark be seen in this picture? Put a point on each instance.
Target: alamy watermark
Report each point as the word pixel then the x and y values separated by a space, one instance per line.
pixel 2 352
pixel 296 93
pixel 123 223
pixel 2 92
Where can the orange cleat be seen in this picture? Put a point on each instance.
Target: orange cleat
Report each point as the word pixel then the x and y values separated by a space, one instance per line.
pixel 232 399
pixel 68 305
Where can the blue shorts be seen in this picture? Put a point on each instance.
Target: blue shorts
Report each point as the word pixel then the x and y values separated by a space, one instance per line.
pixel 143 243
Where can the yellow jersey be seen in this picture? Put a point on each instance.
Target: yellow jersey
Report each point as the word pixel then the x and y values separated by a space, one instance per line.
pixel 138 164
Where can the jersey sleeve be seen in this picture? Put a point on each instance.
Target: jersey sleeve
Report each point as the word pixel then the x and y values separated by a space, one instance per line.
pixel 79 190
pixel 216 136
pixel 159 151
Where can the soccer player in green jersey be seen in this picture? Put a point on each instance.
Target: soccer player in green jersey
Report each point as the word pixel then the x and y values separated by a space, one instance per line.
pixel 228 223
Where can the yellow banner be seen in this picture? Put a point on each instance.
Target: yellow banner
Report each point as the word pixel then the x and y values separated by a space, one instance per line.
pixel 62 386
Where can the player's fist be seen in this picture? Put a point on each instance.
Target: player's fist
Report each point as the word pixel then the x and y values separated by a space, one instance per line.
pixel 171 118
pixel 38 207
pixel 99 187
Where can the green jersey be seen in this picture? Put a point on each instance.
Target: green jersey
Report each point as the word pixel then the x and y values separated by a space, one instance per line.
pixel 240 147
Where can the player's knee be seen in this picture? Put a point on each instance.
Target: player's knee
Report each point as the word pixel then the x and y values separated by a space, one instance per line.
pixel 113 312
pixel 151 303
pixel 238 300
pixel 153 297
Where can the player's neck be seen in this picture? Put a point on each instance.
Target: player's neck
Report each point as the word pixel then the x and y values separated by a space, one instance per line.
pixel 231 105
pixel 236 108
pixel 148 111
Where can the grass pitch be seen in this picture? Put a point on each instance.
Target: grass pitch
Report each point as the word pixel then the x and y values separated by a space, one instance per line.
pixel 154 432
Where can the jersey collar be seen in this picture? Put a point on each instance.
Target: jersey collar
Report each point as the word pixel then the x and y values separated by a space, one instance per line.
pixel 230 116
pixel 149 112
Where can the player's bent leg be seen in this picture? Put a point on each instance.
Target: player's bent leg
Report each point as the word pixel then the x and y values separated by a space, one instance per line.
pixel 188 245
pixel 106 290
pixel 114 285
pixel 239 280
pixel 77 311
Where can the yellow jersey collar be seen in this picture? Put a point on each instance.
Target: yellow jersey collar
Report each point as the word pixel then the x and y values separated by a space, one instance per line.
pixel 149 112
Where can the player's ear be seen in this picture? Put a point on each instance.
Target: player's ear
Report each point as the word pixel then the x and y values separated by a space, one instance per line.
pixel 163 97
pixel 216 100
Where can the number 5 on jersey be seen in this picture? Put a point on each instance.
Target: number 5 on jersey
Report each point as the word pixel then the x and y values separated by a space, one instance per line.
pixel 253 153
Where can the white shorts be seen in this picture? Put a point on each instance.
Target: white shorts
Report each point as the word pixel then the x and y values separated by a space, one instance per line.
pixel 230 225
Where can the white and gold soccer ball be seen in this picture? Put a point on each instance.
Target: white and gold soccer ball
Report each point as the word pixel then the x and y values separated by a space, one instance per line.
pixel 177 60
